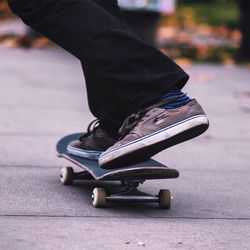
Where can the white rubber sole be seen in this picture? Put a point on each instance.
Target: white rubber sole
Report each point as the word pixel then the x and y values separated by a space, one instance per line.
pixel 151 139
pixel 92 155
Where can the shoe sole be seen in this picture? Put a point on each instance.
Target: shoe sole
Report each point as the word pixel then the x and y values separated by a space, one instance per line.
pixel 147 146
pixel 92 155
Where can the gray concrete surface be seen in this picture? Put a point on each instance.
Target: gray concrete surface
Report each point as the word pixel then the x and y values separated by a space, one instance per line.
pixel 43 97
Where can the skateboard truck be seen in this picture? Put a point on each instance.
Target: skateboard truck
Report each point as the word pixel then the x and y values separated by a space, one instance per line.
pixel 130 192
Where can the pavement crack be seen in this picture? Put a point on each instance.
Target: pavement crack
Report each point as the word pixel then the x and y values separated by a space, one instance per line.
pixel 124 217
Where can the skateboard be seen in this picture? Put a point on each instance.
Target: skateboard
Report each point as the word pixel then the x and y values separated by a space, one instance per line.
pixel 130 177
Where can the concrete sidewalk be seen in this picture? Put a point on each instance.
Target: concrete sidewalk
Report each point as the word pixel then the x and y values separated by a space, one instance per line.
pixel 43 97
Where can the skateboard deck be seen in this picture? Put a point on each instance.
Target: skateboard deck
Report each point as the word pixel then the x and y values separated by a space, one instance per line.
pixel 130 177
pixel 147 170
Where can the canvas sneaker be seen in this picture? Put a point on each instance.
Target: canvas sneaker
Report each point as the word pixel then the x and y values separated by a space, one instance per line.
pixel 93 143
pixel 152 130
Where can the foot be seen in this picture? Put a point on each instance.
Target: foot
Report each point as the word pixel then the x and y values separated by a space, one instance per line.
pixel 153 130
pixel 92 144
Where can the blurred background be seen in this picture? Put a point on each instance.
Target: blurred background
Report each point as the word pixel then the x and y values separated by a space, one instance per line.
pixel 43 97
pixel 187 30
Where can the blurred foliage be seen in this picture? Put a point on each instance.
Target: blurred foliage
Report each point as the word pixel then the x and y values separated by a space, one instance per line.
pixel 199 30
pixel 210 12
pixel 4 10
pixel 203 53
pixel 202 31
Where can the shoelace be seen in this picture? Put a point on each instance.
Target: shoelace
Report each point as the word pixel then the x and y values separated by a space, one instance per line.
pixel 131 121
pixel 91 128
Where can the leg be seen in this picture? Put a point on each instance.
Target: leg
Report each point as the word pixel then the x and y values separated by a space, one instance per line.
pixel 91 78
pixel 126 73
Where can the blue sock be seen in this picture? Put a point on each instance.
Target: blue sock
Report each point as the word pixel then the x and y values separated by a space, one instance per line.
pixel 181 99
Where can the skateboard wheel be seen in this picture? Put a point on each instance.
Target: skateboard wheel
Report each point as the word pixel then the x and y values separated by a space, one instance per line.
pixel 99 197
pixel 165 199
pixel 67 175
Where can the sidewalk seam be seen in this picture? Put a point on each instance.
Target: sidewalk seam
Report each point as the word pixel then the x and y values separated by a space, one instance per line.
pixel 119 217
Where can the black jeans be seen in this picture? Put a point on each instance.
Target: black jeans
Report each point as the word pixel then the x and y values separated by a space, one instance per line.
pixel 123 73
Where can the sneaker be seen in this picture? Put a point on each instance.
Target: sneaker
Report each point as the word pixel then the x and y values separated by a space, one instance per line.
pixel 153 130
pixel 92 144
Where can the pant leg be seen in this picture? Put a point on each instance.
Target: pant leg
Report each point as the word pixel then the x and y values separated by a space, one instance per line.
pixel 130 74
pixel 90 77
pixel 112 7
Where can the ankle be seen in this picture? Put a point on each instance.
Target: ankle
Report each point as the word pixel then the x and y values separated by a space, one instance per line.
pixel 179 99
pixel 110 129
